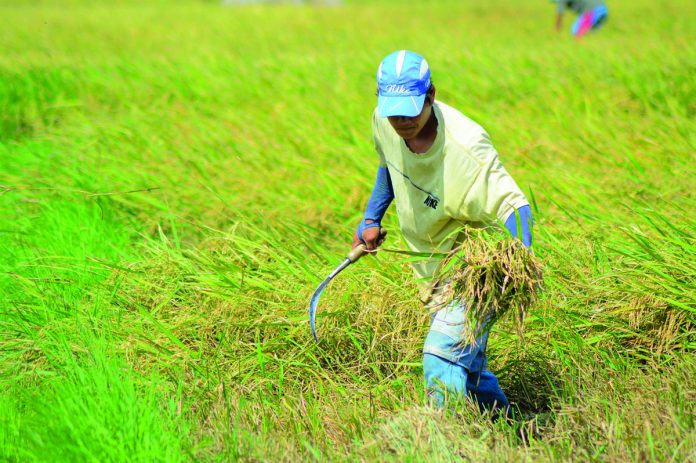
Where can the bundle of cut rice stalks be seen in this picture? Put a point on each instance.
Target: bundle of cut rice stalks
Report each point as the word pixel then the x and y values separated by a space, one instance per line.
pixel 493 276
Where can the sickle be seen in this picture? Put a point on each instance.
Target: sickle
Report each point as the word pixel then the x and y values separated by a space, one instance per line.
pixel 355 254
pixel 352 256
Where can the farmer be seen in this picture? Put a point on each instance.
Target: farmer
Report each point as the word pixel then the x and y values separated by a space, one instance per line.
pixel 444 173
pixel 591 15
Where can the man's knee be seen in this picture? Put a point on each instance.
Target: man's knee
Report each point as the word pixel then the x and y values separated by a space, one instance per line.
pixel 452 347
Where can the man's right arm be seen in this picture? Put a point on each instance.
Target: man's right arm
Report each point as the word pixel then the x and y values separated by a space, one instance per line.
pixel 380 199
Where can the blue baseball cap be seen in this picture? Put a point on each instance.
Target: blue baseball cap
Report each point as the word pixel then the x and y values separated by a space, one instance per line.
pixel 403 79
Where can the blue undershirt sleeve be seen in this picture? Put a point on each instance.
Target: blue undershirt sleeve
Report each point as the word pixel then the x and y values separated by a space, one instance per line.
pixel 380 199
pixel 524 226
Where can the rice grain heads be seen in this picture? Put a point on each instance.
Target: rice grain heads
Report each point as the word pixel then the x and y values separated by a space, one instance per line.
pixel 493 276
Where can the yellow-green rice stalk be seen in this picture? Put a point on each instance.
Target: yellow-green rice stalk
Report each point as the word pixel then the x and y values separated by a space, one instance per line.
pixel 492 276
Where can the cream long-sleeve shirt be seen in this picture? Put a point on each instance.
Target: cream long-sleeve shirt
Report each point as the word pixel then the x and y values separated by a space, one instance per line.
pixel 458 182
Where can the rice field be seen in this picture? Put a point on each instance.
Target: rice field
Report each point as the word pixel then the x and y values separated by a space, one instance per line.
pixel 176 178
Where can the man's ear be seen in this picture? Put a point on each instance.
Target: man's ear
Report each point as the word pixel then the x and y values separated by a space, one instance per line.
pixel 431 94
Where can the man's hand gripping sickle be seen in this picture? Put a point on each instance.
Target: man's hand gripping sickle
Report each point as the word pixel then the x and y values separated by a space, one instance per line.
pixel 370 234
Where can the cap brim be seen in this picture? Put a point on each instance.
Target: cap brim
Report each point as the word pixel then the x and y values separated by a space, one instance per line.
pixel 408 106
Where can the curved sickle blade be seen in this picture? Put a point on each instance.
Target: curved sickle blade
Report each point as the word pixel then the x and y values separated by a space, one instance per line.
pixel 317 294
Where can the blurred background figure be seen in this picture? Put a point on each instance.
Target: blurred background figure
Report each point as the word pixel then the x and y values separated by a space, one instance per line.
pixel 591 15
pixel 293 2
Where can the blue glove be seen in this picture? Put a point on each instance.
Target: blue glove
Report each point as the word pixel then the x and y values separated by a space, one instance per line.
pixel 380 199
pixel 524 226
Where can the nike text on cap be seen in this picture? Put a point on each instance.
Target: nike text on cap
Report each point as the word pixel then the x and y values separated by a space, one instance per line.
pixel 403 79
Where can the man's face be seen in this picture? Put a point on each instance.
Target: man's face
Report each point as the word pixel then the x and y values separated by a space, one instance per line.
pixel 408 127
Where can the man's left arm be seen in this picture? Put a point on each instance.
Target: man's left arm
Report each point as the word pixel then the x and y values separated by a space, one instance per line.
pixel 494 195
pixel 519 224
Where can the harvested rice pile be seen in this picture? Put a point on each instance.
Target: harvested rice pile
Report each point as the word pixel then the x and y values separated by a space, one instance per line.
pixel 494 277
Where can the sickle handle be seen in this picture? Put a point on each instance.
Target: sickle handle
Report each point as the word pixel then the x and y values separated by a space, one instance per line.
pixel 357 252
pixel 360 250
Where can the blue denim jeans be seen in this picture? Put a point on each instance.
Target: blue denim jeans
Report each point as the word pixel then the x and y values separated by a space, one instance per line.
pixel 455 367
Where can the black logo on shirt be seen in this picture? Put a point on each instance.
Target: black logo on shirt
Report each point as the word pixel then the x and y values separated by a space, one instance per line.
pixel 431 202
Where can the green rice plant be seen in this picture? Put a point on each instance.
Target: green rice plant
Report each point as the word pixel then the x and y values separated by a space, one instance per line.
pixel 96 410
pixel 177 177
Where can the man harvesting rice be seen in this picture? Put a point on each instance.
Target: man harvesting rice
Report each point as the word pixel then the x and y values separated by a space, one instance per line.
pixel 444 173
pixel 591 15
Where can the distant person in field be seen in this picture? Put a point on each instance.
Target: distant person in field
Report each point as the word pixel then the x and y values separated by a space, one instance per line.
pixel 443 172
pixel 591 15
